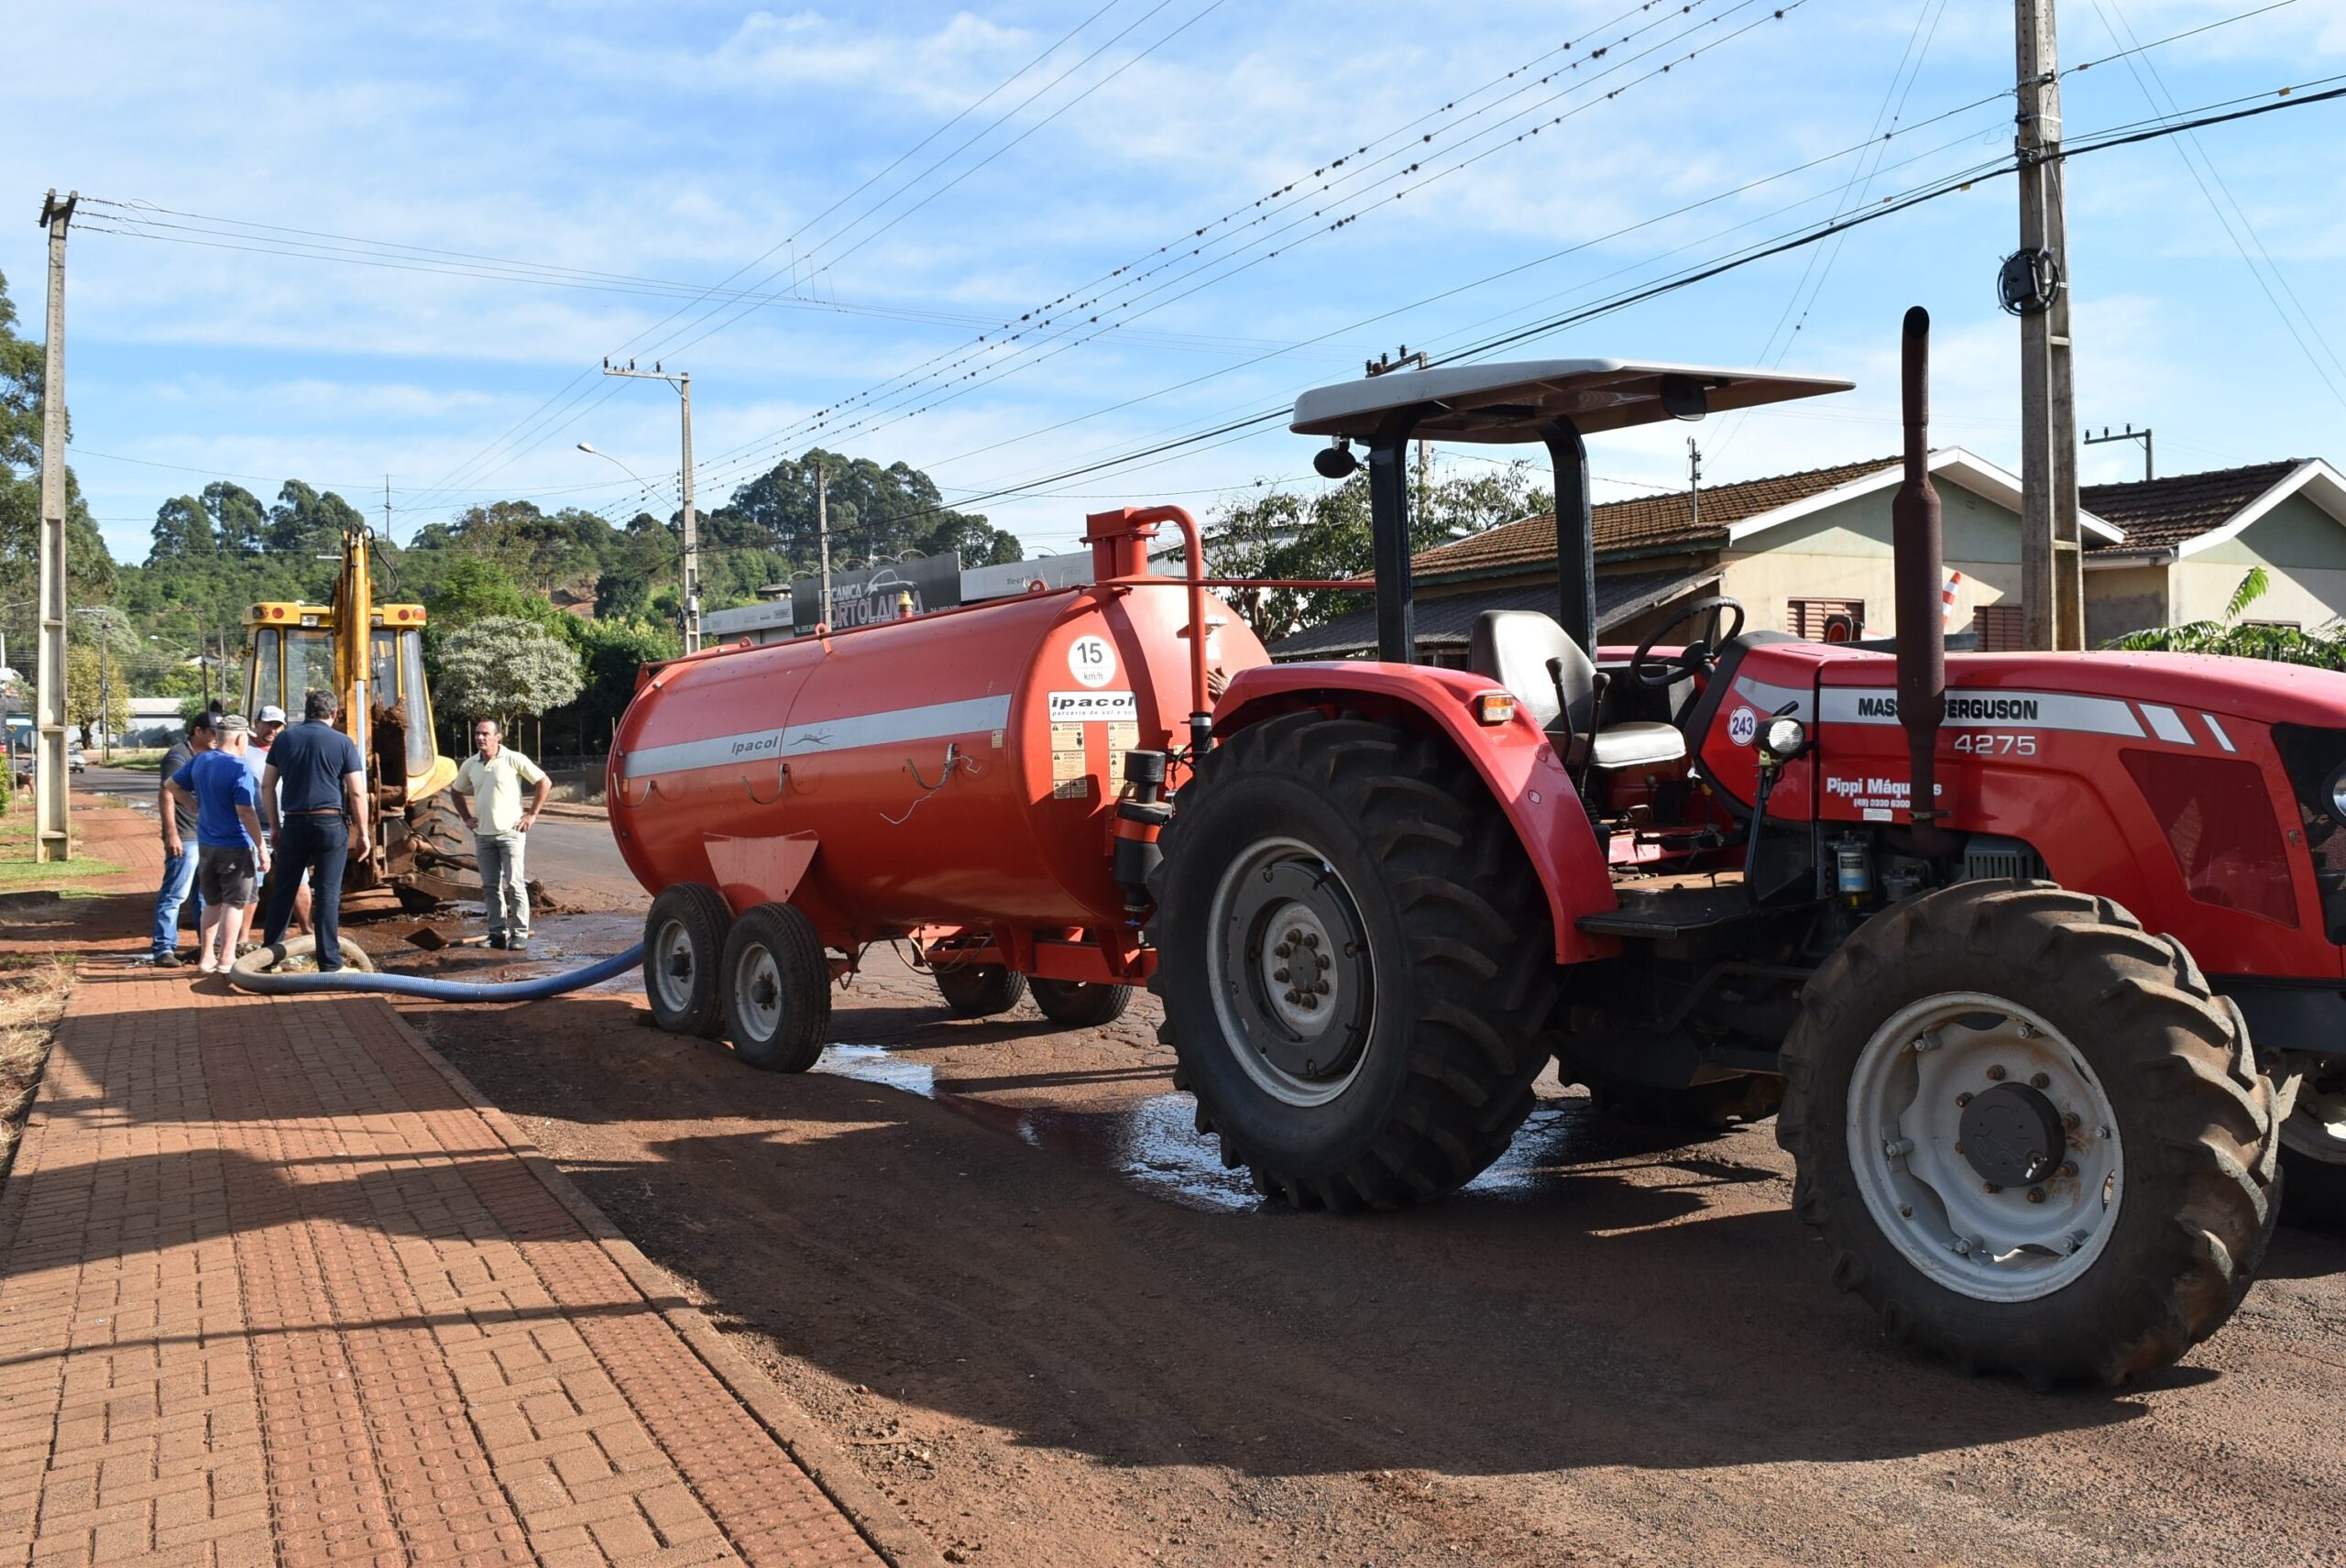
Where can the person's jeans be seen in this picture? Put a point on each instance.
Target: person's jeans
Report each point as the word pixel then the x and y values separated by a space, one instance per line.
pixel 504 889
pixel 178 887
pixel 318 844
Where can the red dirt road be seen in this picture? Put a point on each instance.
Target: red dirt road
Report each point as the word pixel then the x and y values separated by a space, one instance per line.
pixel 991 1258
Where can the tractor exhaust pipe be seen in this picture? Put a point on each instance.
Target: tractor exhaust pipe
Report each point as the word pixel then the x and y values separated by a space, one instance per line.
pixel 1916 541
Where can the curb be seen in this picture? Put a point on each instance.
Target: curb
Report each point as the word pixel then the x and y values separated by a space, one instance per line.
pixel 888 1532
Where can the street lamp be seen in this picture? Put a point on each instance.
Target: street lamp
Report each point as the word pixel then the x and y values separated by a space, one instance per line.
pixel 598 452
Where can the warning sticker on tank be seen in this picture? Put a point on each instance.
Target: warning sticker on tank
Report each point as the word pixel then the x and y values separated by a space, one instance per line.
pixel 1084 707
pixel 1070 777
pixel 1123 737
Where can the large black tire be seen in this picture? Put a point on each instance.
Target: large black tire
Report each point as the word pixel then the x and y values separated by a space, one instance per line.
pixel 777 988
pixel 1079 1003
pixel 440 838
pixel 979 991
pixel 1439 965
pixel 684 938
pixel 2194 1155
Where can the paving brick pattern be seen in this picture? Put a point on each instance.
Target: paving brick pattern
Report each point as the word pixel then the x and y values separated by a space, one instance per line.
pixel 274 1292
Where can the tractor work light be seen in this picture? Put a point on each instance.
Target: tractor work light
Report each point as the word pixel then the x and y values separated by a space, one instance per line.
pixel 1786 738
pixel 1493 708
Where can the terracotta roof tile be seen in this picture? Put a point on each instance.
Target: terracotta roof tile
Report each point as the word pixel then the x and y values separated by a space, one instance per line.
pixel 2156 514
pixel 1643 523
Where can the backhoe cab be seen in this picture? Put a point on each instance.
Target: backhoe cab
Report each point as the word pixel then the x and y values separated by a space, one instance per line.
pixel 371 656
pixel 1954 918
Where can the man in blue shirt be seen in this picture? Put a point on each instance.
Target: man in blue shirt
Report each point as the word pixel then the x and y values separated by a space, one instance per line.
pixel 314 795
pixel 230 855
pixel 179 846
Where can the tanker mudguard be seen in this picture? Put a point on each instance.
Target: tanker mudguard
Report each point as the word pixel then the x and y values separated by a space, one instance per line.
pixel 1514 760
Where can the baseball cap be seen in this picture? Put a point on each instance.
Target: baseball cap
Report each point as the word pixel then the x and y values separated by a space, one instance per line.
pixel 234 724
pixel 272 714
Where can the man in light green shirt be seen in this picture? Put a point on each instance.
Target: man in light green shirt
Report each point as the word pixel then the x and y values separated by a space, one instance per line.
pixel 488 793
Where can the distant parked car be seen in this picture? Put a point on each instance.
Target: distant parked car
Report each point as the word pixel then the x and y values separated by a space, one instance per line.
pixel 74 762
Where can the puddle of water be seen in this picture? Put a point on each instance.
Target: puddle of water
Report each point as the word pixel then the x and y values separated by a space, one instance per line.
pixel 1155 1146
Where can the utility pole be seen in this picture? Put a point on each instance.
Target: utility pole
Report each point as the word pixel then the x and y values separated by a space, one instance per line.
pixel 2035 286
pixel 106 696
pixel 1694 483
pixel 53 838
pixel 683 381
pixel 823 536
pixel 2129 433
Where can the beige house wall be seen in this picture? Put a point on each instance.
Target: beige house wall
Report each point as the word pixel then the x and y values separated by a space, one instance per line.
pixel 1843 552
pixel 2120 600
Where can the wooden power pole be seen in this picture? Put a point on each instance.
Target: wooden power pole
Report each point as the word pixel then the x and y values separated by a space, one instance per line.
pixel 52 838
pixel 2035 286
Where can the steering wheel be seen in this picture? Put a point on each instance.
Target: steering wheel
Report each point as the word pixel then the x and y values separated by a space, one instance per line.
pixel 1696 656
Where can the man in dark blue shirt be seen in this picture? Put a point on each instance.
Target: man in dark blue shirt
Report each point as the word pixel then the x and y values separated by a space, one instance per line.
pixel 315 793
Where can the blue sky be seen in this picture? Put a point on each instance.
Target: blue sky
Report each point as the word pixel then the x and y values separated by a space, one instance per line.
pixel 679 143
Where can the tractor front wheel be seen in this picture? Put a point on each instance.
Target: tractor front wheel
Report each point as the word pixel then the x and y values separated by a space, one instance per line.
pixel 1355 961
pixel 2029 1135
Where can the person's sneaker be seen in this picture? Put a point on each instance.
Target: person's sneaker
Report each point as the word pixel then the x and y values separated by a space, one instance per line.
pixel 167 959
pixel 332 968
pixel 518 942
pixel 497 939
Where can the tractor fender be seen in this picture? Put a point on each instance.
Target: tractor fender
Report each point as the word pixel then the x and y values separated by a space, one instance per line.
pixel 1514 760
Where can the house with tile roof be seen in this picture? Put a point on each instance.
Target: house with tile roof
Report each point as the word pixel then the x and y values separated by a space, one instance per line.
pixel 2188 540
pixel 1800 551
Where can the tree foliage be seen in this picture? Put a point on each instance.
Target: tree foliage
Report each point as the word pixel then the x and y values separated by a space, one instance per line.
pixel 504 666
pixel 1281 533
pixel 88 569
pixel 95 691
pixel 2323 648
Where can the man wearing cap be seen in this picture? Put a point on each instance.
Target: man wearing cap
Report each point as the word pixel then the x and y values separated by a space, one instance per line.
pixel 178 846
pixel 492 778
pixel 266 724
pixel 230 854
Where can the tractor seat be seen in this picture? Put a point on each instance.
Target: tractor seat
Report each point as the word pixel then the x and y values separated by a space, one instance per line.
pixel 1555 681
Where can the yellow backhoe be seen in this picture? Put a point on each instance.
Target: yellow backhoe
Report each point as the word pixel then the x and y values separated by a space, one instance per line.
pixel 371 656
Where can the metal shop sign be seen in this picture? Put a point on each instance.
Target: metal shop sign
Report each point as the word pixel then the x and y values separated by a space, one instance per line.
pixel 875 593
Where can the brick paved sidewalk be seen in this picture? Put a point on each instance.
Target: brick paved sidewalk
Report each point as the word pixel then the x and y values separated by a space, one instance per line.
pixel 275 1288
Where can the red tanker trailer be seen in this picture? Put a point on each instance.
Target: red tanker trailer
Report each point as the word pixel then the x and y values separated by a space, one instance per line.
pixel 951 778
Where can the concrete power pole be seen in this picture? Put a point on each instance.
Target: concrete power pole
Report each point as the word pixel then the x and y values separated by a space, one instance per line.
pixel 683 381
pixel 53 838
pixel 823 536
pixel 2035 286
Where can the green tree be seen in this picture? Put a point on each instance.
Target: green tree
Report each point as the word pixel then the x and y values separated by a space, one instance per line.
pixel 239 522
pixel 95 691
pixel 504 667
pixel 2323 648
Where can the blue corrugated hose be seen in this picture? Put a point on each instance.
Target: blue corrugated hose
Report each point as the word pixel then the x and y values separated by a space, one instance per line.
pixel 255 972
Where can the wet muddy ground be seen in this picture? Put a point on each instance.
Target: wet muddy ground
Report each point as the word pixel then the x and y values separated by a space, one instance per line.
pixel 994 1259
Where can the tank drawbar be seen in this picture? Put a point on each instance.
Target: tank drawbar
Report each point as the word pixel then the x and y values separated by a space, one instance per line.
pixel 257 971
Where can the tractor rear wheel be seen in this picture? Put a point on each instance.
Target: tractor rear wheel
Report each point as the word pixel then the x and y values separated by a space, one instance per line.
pixel 777 989
pixel 2313 1153
pixel 684 936
pixel 1080 1003
pixel 979 991
pixel 1355 962
pixel 2029 1133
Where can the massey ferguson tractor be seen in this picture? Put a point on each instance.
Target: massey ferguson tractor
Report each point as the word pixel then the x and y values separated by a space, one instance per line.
pixel 1991 933
pixel 2003 926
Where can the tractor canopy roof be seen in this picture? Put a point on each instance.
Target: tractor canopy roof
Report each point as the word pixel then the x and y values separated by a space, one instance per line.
pixel 1525 399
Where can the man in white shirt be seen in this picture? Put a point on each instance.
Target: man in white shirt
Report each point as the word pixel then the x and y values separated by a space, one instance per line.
pixel 492 778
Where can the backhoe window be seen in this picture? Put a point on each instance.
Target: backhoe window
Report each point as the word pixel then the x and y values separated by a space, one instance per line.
pixel 268 673
pixel 308 667
pixel 420 747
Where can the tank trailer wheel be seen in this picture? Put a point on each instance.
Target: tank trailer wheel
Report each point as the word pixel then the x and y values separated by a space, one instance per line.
pixel 979 991
pixel 1080 1003
pixel 2313 1153
pixel 684 936
pixel 2029 1134
pixel 1359 996
pixel 777 989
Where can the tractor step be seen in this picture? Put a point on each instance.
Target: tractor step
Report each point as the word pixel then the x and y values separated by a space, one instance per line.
pixel 1673 911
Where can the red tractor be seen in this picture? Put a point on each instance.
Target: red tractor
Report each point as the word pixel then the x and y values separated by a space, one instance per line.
pixel 1995 929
